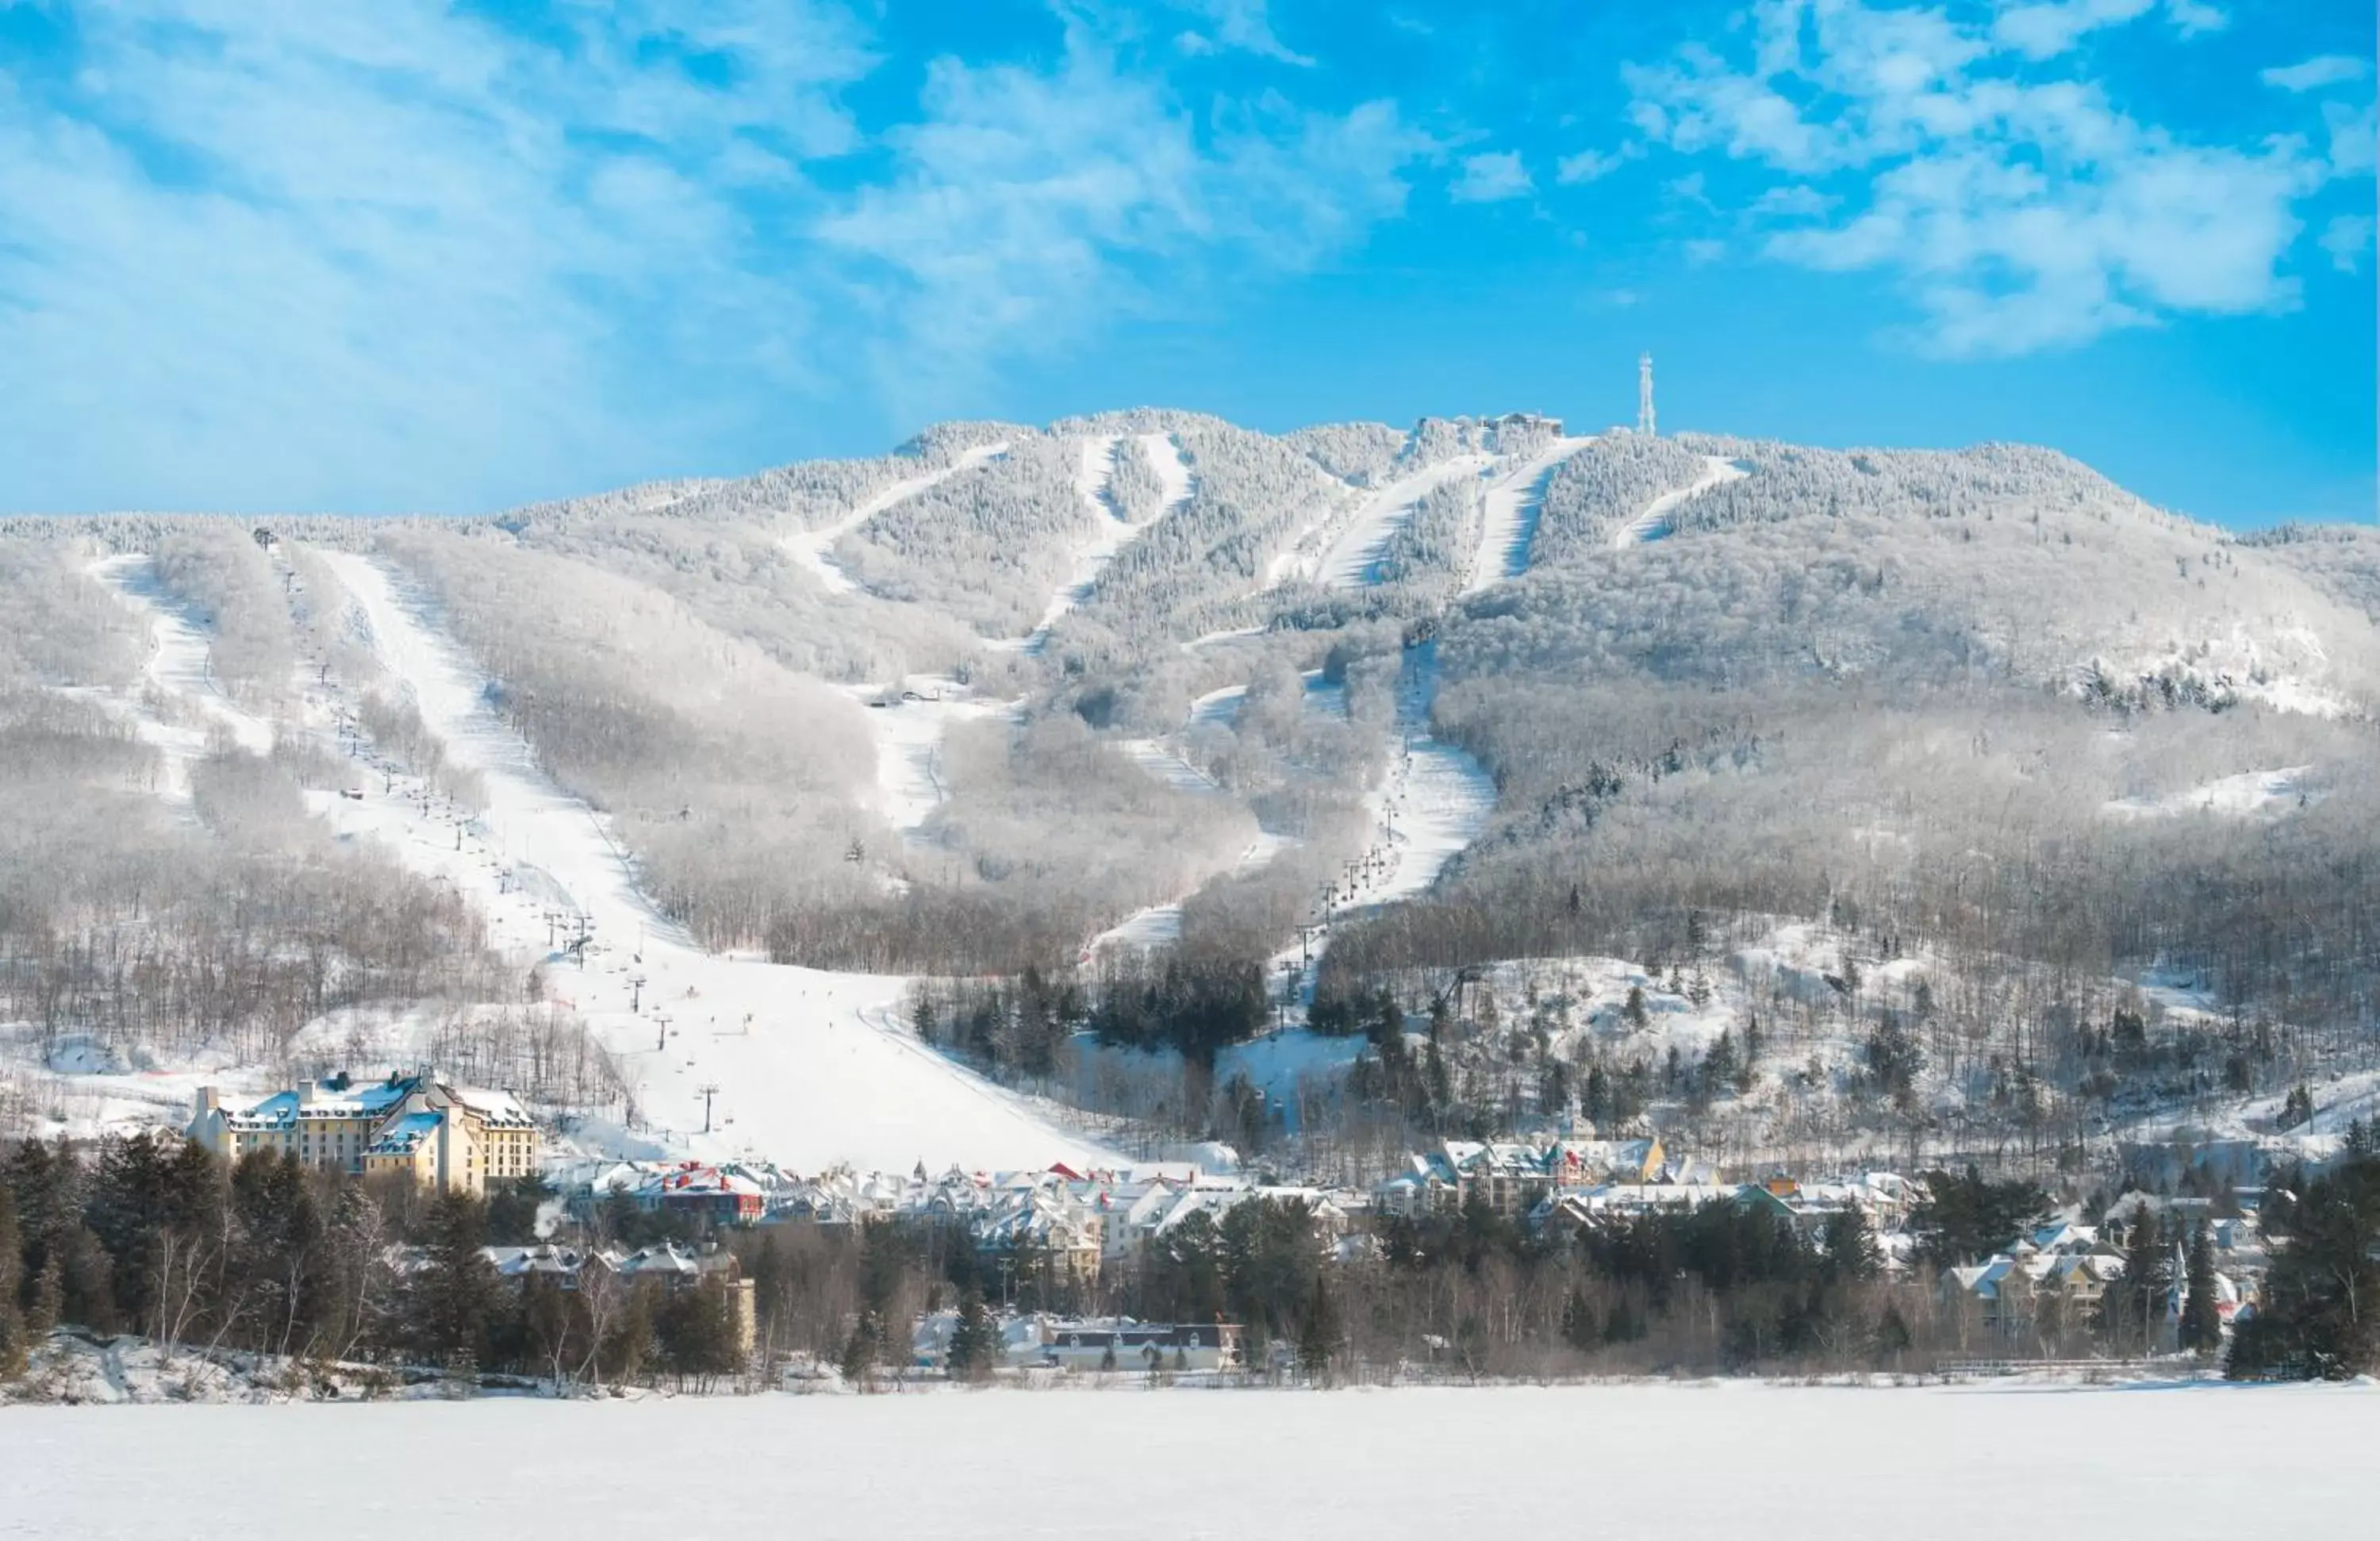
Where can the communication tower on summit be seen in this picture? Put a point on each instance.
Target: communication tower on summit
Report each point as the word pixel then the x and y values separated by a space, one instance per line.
pixel 1644 395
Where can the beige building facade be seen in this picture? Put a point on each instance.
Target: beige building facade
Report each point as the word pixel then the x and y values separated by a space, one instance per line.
pixel 452 1138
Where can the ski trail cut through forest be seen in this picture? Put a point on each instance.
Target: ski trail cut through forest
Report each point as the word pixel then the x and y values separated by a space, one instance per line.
pixel 910 721
pixel 813 548
pixel 1434 801
pixel 815 1067
pixel 1354 558
pixel 1161 924
pixel 1508 524
pixel 1096 480
pixel 1657 518
pixel 180 669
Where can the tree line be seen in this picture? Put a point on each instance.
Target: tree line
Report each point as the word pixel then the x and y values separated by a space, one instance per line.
pixel 157 1237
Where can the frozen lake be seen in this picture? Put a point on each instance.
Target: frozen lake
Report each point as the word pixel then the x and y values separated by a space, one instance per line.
pixel 1681 1463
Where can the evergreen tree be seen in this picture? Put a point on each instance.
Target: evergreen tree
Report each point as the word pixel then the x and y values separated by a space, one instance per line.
pixel 2132 1311
pixel 1967 1217
pixel 1851 1254
pixel 695 1328
pixel 14 1349
pixel 2201 1325
pixel 1579 1328
pixel 513 1207
pixel 453 1294
pixel 2315 1317
pixel 974 1342
pixel 1720 1067
pixel 863 1351
pixel 1318 1335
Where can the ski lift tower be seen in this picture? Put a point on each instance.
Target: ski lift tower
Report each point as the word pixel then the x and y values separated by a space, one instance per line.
pixel 1644 422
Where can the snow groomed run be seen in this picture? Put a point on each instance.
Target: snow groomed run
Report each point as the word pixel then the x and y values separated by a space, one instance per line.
pixel 814 1067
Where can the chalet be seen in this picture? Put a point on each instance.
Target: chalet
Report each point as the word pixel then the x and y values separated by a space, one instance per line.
pixel 1512 1178
pixel 666 1265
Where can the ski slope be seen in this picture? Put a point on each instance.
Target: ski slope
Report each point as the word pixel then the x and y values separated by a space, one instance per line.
pixel 811 548
pixel 1159 925
pixel 814 1067
pixel 1434 801
pixel 2253 794
pixel 1166 767
pixel 1353 557
pixel 909 721
pixel 1509 522
pixel 178 671
pixel 1174 482
pixel 1655 521
pixel 1095 481
pixel 1220 707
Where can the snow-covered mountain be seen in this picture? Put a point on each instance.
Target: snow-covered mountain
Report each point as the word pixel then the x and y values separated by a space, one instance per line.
pixel 1351 704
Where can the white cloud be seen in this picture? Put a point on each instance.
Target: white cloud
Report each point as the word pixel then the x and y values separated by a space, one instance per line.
pixel 2044 28
pixel 1028 207
pixel 1493 177
pixel 2346 238
pixel 403 257
pixel 2325 69
pixel 2017 211
pixel 333 251
pixel 2354 138
pixel 1587 165
pixel 1242 25
pixel 1702 253
pixel 1795 200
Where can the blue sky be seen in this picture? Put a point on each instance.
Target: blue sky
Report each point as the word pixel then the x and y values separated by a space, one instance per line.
pixel 405 255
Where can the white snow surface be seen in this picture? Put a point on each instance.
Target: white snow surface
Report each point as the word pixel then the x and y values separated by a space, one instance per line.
pixel 1113 532
pixel 1159 925
pixel 1512 504
pixel 1654 522
pixel 2246 795
pixel 1217 706
pixel 1164 765
pixel 909 735
pixel 811 548
pixel 1687 1462
pixel 815 1067
pixel 1353 557
pixel 179 670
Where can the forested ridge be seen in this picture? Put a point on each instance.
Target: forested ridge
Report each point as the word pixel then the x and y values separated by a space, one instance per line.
pixel 2028 756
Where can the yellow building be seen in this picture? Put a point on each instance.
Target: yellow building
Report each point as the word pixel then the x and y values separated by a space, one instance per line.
pixel 459 1138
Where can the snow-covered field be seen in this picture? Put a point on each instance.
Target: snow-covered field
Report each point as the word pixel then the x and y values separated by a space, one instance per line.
pixel 814 1067
pixel 1684 1463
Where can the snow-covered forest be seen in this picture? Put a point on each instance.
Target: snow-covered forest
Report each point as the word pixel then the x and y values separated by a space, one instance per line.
pixel 1976 806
